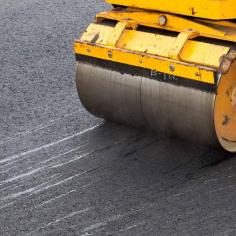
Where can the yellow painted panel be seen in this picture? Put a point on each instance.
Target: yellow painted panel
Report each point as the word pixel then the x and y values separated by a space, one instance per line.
pixel 224 30
pixel 225 110
pixel 200 53
pixel 153 63
pixel 210 9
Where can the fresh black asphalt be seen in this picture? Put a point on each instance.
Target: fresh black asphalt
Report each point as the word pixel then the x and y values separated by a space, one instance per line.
pixel 65 172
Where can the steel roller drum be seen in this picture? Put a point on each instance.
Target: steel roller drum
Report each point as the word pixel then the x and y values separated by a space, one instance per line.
pixel 193 114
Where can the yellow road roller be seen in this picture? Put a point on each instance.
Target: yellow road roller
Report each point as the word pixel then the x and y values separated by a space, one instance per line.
pixel 166 65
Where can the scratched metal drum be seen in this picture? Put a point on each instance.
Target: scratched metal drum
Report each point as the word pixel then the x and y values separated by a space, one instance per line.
pixel 139 101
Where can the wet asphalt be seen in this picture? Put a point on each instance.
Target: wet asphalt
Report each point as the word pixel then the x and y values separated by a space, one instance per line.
pixel 65 172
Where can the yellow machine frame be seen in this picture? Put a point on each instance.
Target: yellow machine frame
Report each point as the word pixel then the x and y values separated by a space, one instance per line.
pixel 180 55
pixel 209 9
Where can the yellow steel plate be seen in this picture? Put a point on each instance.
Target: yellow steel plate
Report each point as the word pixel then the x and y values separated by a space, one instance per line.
pixel 194 52
pixel 225 110
pixel 210 9
pixel 224 30
pixel 144 60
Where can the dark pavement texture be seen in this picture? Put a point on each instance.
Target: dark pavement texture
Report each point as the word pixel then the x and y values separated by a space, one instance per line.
pixel 64 172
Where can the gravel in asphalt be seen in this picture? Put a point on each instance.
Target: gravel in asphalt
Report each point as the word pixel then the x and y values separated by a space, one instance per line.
pixel 65 172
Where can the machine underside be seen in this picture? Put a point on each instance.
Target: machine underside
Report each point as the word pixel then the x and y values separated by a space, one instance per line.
pixel 170 73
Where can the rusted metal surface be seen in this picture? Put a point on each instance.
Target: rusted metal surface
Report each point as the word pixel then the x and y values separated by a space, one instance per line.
pixel 226 61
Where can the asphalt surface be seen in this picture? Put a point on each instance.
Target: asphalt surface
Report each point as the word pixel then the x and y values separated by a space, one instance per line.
pixel 64 172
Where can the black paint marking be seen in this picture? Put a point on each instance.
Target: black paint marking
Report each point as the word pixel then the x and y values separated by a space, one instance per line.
pixel 225 120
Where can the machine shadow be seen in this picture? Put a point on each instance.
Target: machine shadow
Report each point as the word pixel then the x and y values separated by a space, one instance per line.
pixel 143 165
